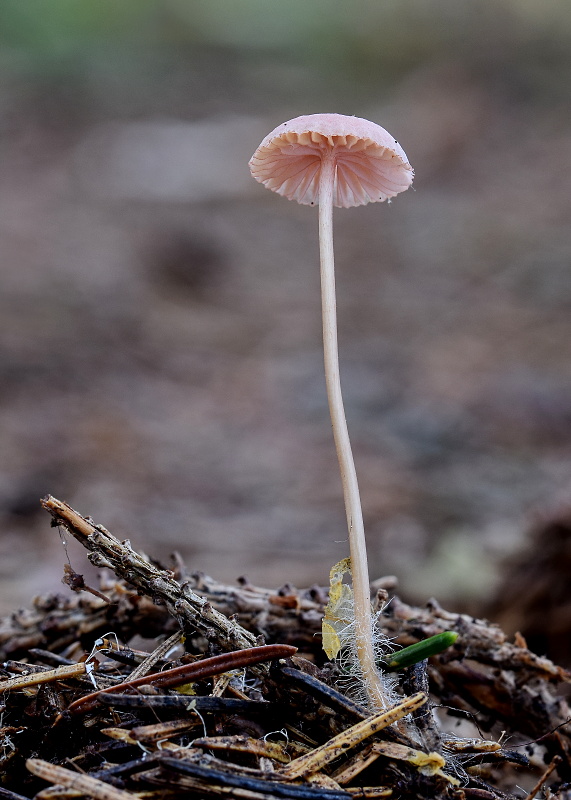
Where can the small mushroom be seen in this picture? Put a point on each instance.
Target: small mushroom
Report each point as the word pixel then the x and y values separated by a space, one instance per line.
pixel 336 160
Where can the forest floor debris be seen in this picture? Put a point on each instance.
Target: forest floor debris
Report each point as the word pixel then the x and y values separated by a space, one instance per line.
pixel 238 700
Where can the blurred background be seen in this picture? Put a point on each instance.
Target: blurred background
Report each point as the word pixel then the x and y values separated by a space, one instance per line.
pixel 160 344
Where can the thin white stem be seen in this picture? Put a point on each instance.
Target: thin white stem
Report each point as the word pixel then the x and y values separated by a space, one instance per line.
pixel 359 567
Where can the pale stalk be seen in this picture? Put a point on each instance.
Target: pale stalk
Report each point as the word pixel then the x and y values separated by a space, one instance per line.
pixel 359 567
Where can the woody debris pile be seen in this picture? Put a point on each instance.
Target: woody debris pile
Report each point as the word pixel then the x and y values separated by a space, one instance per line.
pixel 238 700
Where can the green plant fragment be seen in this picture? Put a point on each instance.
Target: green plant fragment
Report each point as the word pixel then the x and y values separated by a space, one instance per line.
pixel 419 651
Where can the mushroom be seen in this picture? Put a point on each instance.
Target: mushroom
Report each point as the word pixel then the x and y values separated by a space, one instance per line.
pixel 337 160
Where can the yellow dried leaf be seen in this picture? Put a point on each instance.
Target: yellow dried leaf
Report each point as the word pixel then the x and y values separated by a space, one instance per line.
pixel 330 640
pixel 339 610
pixel 186 688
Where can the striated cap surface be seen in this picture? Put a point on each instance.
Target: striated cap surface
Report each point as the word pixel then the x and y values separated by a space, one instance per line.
pixel 371 164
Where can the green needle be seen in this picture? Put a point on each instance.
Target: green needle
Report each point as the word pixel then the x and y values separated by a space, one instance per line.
pixel 419 651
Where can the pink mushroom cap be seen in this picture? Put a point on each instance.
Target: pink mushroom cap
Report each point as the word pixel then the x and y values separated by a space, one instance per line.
pixel 371 164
